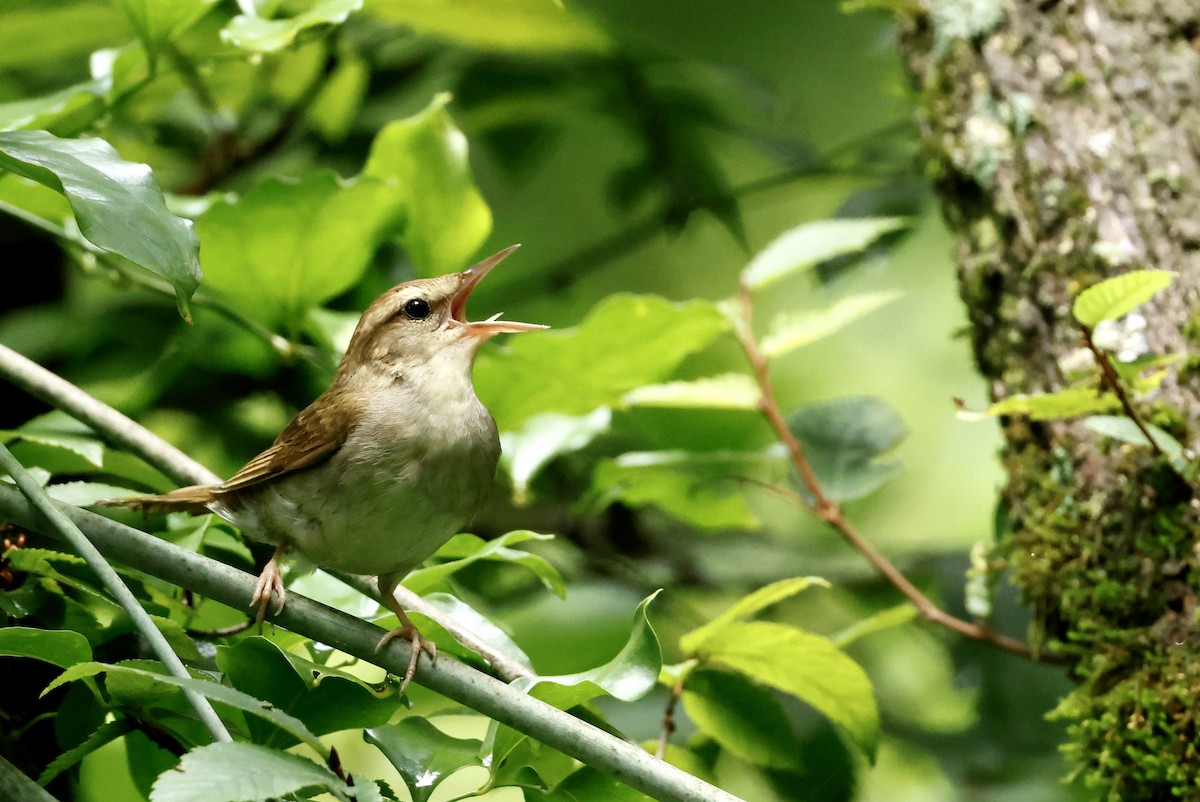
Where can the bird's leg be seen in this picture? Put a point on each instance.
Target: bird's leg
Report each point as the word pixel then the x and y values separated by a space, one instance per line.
pixel 270 582
pixel 407 630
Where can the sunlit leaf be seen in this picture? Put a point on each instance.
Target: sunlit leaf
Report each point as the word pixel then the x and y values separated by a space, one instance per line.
pixel 807 666
pixel 519 26
pixel 423 754
pixel 262 35
pixel 1118 296
pixel 284 247
pixel 747 606
pixel 423 162
pixel 742 717
pixel 799 329
pixel 842 440
pixel 1066 403
pixel 543 437
pixel 808 245
pixel 884 619
pixel 240 772
pixel 626 341
pixel 116 203
pixel 729 391
pixel 60 647
pixel 462 550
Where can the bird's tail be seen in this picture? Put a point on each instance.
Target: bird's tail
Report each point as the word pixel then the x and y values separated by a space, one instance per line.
pixel 194 499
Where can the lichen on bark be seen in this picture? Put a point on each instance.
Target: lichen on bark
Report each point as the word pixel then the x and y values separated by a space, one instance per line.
pixel 1064 141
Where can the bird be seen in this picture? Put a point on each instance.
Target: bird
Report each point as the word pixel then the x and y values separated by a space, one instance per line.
pixel 393 459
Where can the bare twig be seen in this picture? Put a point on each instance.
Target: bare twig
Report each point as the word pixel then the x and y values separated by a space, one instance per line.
pixel 831 512
pixel 668 720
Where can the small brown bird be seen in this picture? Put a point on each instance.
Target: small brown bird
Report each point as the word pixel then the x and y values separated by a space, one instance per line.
pixel 393 459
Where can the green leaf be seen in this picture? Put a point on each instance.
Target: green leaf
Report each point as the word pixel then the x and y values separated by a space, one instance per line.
pixel 423 754
pixel 591 785
pixel 728 391
pixel 59 430
pixel 884 619
pixel 238 772
pixel 218 693
pixel 118 206
pixel 1116 297
pixel 1124 429
pixel 626 341
pixel 158 21
pixel 285 247
pixel 62 648
pixel 742 717
pixel 260 35
pixel 542 438
pixel 104 734
pixel 49 111
pixel 480 626
pixel 424 162
pixel 747 606
pixel 325 702
pixel 799 329
pixel 808 245
pixel 804 665
pixel 16 787
pixel 519 26
pixel 702 489
pixel 842 439
pixel 462 550
pixel 1067 403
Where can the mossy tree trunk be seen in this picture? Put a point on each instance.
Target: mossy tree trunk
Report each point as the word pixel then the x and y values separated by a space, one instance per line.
pixel 1064 141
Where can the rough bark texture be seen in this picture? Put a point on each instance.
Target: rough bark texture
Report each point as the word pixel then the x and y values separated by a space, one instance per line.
pixel 1064 140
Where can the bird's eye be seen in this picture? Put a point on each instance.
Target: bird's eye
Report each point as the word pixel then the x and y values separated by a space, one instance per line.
pixel 416 308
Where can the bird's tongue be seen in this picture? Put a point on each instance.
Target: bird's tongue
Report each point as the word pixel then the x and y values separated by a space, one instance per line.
pixel 471 278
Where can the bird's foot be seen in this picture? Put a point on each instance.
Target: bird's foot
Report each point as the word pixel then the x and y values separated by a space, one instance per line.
pixel 270 582
pixel 419 643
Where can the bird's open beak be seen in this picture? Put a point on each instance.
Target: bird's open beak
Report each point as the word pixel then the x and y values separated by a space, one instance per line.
pixel 469 279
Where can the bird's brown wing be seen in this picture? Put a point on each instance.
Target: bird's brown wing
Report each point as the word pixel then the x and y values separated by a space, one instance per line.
pixel 312 437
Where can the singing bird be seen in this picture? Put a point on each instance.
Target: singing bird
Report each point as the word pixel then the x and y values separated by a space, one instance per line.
pixel 387 464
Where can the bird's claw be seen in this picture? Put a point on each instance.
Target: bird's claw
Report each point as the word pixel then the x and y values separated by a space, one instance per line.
pixel 419 644
pixel 270 583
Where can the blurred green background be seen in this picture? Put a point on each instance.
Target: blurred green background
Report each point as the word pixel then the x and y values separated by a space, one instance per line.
pixel 816 122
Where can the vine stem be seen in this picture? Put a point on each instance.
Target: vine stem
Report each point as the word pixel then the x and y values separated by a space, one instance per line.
pixel 831 513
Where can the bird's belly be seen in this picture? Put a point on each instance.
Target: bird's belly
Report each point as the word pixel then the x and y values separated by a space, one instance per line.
pixel 378 517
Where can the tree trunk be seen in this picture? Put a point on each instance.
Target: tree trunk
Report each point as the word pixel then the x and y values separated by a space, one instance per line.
pixel 1063 139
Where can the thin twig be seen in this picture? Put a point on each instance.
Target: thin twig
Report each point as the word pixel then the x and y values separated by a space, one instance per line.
pixel 829 511
pixel 668 720
pixel 223 632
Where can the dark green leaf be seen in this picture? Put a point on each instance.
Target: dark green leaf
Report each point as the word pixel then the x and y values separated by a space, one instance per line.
pixel 590 785
pixel 842 439
pixel 237 772
pixel 423 160
pixel 742 717
pixel 158 21
pixel 118 206
pixel 60 647
pixel 105 733
pixel 544 437
pixel 423 754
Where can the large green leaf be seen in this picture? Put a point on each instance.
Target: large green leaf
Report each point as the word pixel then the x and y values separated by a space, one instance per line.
pixel 423 754
pixel 118 206
pixel 808 245
pixel 807 666
pixel 60 647
pixel 462 550
pixel 842 439
pixel 520 26
pixel 747 606
pixel 742 717
pixel 324 702
pixel 237 772
pixel 626 341
pixel 261 35
pixel 284 247
pixel 424 162
pixel 1118 296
